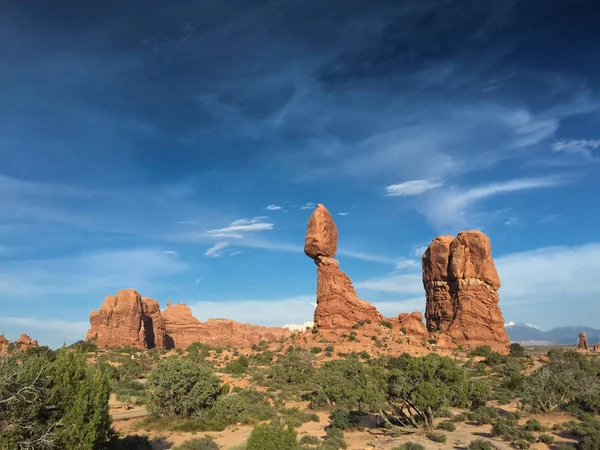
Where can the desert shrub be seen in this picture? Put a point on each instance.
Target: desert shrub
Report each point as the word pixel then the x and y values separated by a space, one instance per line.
pixel 129 391
pixel 517 350
pixel 272 437
pixel 347 383
pixel 85 346
pixel 547 439
pixel 410 446
pixel 342 418
pixel 437 437
pixel 534 425
pixel 329 348
pixel 507 429
pixel 263 358
pixel 386 324
pixel 237 366
pixel 297 417
pixel 295 367
pixel 482 350
pixel 316 350
pixel 247 406
pixel 199 349
pixel 459 418
pixel 129 369
pixel 334 440
pixel 204 443
pixel 181 388
pixel 448 426
pixel 478 392
pixel 426 386
pixel 483 415
pixel 587 433
pixel 494 359
pixel 481 444
pixel 62 403
pixel 309 439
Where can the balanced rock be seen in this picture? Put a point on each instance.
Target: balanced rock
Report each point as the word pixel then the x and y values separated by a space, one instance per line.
pixel 127 319
pixel 338 306
pixel 583 344
pixel 462 297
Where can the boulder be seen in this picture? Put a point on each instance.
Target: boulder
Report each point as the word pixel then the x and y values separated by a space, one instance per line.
pixel 583 344
pixel 24 342
pixel 338 306
pixel 461 286
pixel 321 234
pixel 413 323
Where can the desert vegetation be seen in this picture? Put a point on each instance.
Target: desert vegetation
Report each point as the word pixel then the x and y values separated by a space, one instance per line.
pixel 476 399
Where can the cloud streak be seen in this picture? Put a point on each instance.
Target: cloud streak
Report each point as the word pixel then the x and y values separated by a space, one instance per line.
pixel 414 187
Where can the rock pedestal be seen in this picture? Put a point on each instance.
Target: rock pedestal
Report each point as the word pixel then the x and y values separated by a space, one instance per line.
pixel 583 344
pixel 338 306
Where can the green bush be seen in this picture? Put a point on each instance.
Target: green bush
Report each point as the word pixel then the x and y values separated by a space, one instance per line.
pixel 481 444
pixel 534 425
pixel 342 418
pixel 181 388
pixel 237 366
pixel 517 350
pixel 482 350
pixel 546 439
pixel 308 439
pixel 448 426
pixel 437 437
pixel 334 440
pixel 135 442
pixel 204 443
pixel 410 446
pixel 272 437
pixel 316 350
pixel 507 429
pixel 329 348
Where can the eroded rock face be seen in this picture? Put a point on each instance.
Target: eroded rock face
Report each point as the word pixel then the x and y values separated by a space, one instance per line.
pixel 412 323
pixel 182 328
pixel 24 343
pixel 3 344
pixel 338 306
pixel 127 319
pixel 462 299
pixel 583 344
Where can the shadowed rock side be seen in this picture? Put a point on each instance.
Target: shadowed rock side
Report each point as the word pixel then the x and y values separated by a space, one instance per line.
pixel 338 306
pixel 130 319
pixel 461 285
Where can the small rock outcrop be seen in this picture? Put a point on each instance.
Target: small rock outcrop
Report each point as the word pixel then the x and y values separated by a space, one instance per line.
pixel 412 323
pixel 23 344
pixel 461 285
pixel 127 319
pixel 596 348
pixel 583 344
pixel 338 305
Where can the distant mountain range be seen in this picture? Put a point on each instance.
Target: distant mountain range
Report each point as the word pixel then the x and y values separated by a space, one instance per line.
pixel 526 334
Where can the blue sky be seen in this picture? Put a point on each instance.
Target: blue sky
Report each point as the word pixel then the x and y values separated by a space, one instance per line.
pixel 178 149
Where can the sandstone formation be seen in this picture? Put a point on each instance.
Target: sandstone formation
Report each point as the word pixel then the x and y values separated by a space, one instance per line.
pixel 583 345
pixel 130 319
pixel 596 348
pixel 127 319
pixel 338 306
pixel 412 323
pixel 461 285
pixel 24 343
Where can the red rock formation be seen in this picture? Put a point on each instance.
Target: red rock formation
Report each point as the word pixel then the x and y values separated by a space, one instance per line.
pixel 338 306
pixel 127 319
pixel 24 343
pixel 439 308
pixel 3 344
pixel 462 300
pixel 182 328
pixel 583 345
pixel 412 323
pixel 596 348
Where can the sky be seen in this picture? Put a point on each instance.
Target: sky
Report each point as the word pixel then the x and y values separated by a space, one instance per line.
pixel 179 149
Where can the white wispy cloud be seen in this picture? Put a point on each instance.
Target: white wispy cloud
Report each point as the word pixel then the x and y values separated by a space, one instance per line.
pixel 216 250
pixel 414 187
pixel 577 146
pixel 274 208
pixel 47 324
pixel 343 214
pixel 170 252
pixel 308 206
pixel 409 283
pixel 238 228
pixel 451 209
pixel 529 129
